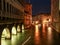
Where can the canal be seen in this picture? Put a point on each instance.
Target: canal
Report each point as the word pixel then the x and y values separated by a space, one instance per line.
pixel 43 35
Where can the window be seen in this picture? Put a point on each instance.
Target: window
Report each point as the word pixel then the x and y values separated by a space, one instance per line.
pixel 10 8
pixel 4 5
pixel 7 7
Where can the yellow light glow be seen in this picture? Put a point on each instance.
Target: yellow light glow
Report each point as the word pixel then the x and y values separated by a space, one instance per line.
pixel 43 30
pixel 18 36
pixel 3 42
pixel 14 30
pixel 36 28
pixel 50 34
pixel 36 38
pixel 49 28
pixel 13 40
pixel 36 22
pixel 18 28
pixel 6 33
pixel 49 20
pixel 22 26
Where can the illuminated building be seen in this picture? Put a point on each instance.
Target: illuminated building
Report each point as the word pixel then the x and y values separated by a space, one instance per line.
pixel 11 10
pixel 28 15
pixel 41 17
pixel 55 14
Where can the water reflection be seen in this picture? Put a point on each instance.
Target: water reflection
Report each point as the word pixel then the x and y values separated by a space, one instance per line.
pixel 5 42
pixel 50 35
pixel 43 29
pixel 37 37
pixel 13 41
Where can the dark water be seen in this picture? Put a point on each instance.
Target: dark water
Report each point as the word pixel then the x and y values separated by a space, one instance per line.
pixel 39 36
pixel 44 36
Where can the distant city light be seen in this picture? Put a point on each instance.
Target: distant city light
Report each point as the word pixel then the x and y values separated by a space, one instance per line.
pixel 49 28
pixel 36 28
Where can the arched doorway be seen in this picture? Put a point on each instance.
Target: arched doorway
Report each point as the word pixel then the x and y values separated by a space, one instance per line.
pixel 14 31
pixel 22 28
pixel 18 28
pixel 5 33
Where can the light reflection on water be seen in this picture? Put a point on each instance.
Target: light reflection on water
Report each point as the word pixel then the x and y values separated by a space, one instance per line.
pixel 50 38
pixel 43 29
pixel 37 37
pixel 13 41
pixel 5 42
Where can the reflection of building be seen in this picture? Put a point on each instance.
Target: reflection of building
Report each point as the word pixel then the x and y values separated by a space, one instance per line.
pixel 55 14
pixel 28 15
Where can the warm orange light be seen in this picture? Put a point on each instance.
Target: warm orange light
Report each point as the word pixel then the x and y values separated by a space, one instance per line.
pixel 49 34
pixel 37 39
pixel 36 22
pixel 44 21
pixel 49 28
pixel 36 28
pixel 49 20
pixel 43 30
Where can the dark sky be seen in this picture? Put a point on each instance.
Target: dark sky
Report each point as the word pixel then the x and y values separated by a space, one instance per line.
pixel 40 6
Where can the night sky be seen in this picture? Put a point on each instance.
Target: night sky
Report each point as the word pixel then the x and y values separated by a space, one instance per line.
pixel 40 6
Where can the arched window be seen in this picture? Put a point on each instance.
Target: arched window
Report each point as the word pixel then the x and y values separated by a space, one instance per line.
pixel 14 31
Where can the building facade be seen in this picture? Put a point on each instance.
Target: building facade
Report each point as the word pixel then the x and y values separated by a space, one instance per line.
pixel 11 10
pixel 55 14
pixel 28 15
pixel 41 18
